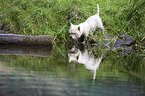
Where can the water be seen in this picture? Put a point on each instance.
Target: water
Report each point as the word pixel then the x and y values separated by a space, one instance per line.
pixel 70 71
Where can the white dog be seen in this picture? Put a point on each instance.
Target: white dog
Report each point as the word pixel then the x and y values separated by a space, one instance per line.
pixel 87 27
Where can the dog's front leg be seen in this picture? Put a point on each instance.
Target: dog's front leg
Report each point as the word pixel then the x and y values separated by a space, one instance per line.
pixel 86 41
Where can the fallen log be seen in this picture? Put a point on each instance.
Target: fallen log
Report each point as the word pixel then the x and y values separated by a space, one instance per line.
pixel 42 40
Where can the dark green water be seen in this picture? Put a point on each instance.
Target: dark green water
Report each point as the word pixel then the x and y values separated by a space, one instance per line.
pixel 62 71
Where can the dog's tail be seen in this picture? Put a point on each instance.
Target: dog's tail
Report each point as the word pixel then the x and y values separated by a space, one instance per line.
pixel 97 9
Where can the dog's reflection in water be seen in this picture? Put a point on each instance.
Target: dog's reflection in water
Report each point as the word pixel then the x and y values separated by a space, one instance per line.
pixel 85 57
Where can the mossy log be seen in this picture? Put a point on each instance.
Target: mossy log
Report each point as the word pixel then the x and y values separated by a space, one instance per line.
pixel 42 40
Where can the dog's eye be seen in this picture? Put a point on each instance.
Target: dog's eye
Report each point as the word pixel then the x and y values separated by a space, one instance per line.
pixel 79 28
pixel 77 57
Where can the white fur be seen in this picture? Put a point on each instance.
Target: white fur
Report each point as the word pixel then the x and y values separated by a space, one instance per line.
pixel 87 27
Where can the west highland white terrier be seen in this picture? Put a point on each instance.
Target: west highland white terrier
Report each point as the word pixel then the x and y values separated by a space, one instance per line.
pixel 88 27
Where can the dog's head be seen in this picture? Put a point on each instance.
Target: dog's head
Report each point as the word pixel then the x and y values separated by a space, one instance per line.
pixel 74 31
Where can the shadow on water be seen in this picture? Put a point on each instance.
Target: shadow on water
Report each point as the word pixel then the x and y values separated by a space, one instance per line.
pixel 74 70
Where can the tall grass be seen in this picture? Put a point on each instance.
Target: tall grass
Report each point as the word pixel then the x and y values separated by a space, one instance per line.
pixel 53 17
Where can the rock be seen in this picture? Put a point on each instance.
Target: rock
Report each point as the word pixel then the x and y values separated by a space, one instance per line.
pixel 127 40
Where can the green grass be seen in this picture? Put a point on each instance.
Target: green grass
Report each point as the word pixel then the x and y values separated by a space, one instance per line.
pixel 53 17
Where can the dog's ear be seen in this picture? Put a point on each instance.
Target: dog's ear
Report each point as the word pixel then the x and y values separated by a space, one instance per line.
pixel 79 28
pixel 71 24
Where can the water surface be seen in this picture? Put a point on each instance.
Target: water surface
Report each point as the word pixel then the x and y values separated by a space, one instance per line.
pixel 70 71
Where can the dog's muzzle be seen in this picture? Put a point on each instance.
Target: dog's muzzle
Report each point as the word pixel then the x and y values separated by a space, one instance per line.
pixel 74 35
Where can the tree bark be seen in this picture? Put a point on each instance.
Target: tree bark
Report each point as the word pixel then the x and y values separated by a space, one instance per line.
pixel 42 40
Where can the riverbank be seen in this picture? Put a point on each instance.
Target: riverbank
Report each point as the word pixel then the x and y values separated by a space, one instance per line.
pixel 53 17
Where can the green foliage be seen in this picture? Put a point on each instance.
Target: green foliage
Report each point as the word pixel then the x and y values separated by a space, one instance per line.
pixel 134 19
pixel 53 17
